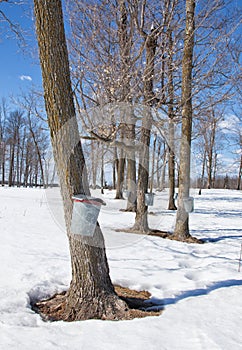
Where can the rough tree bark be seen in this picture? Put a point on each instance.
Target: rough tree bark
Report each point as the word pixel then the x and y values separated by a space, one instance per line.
pixel 153 164
pixel 11 166
pixel 125 47
pixel 171 162
pixel 91 293
pixel 37 149
pixel 141 218
pixel 131 168
pixel 203 172
pixel 120 175
pixel 240 174
pixel 210 144
pixel 181 231
pixel 125 44
pixel 94 158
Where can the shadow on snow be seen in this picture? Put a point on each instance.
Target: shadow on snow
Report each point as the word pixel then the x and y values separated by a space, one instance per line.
pixel 201 291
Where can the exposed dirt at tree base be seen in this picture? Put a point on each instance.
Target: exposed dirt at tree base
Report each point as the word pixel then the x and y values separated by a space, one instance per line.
pixel 172 237
pixel 163 234
pixel 129 210
pixel 52 309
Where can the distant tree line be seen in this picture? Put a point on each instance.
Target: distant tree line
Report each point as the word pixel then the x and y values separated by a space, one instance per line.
pixel 24 146
pixel 26 158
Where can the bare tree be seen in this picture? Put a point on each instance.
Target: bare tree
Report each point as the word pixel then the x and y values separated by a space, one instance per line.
pixel 14 128
pixel 36 126
pixel 171 116
pixel 91 293
pixel 141 220
pixel 239 142
pixel 181 231
pixel 240 173
pixel 3 120
pixel 111 43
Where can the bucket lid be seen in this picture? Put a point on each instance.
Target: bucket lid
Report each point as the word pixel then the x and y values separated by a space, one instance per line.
pixel 88 199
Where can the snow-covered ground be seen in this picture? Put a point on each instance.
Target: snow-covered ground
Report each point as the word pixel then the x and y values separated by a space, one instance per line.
pixel 200 285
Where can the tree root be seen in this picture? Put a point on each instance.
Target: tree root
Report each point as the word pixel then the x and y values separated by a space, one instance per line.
pixel 189 239
pixel 128 210
pixel 162 234
pixel 126 304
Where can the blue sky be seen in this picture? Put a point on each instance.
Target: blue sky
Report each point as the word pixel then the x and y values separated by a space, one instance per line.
pixel 19 68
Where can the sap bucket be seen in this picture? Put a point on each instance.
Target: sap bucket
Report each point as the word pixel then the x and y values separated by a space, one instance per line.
pixel 85 214
pixel 149 199
pixel 189 204
pixel 126 194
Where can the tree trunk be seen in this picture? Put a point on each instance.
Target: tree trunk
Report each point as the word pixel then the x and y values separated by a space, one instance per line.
pixel 240 174
pixel 214 169
pixel 3 163
pixel 131 166
pixel 102 170
pixel 11 166
pixel 22 156
pixel 120 175
pixel 27 164
pixel 171 169
pixel 18 159
pixel 131 184
pixel 163 170
pixel 171 163
pixel 203 171
pixel 114 168
pixel 209 168
pixel 120 168
pixel 141 219
pixel 37 150
pixel 153 165
pixel 158 166
pixel 182 218
pixel 124 46
pixel 94 158
pixel 91 293
pixel 211 163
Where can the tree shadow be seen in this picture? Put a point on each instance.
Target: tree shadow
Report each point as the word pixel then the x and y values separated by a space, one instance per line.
pixel 221 238
pixel 235 198
pixel 219 213
pixel 200 291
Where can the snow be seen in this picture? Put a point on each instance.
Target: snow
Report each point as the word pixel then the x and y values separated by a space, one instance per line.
pixel 200 285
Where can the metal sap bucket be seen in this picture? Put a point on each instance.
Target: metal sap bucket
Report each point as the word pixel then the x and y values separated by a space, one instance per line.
pixel 85 214
pixel 188 204
pixel 149 199
pixel 126 194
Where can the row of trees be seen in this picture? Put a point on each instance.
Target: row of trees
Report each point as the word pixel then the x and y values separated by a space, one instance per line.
pixel 25 156
pixel 209 169
pixel 110 64
pixel 133 52
pixel 152 59
pixel 120 56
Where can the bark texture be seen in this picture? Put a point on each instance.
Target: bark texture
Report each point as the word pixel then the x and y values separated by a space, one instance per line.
pixel 91 293
pixel 141 219
pixel 182 218
pixel 131 168
pixel 240 174
pixel 171 163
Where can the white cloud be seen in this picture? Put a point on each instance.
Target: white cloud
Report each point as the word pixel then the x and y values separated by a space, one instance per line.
pixel 25 77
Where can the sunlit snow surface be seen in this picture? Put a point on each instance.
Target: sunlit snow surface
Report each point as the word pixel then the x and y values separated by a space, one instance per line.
pixel 199 285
